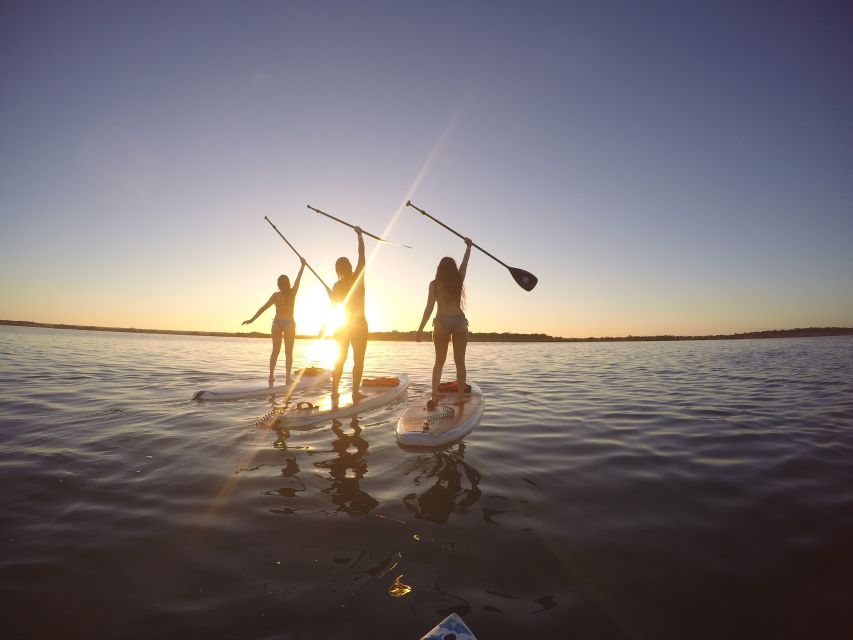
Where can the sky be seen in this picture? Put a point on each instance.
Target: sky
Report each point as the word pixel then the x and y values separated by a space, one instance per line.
pixel 662 167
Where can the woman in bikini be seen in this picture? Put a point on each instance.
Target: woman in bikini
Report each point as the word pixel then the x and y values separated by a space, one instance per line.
pixel 349 291
pixel 448 293
pixel 283 325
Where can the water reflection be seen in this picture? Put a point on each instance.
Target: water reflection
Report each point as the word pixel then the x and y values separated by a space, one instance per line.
pixel 347 469
pixel 281 437
pixel 291 466
pixel 454 489
pixel 289 471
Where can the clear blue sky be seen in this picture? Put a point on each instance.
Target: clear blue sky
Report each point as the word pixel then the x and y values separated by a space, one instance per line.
pixel 662 167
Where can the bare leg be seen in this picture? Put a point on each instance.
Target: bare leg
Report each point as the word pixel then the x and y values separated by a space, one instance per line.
pixel 359 348
pixel 276 348
pixel 289 338
pixel 460 342
pixel 441 340
pixel 343 339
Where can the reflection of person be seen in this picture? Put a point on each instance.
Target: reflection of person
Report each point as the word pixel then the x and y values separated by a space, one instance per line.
pixel 349 291
pixel 448 293
pixel 449 494
pixel 283 325
pixel 347 469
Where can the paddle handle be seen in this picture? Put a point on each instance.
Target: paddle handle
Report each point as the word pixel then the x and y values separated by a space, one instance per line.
pixel 296 252
pixel 409 204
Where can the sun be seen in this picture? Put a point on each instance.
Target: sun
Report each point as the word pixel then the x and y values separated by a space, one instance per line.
pixel 334 320
pixel 321 353
pixel 312 313
pixel 315 316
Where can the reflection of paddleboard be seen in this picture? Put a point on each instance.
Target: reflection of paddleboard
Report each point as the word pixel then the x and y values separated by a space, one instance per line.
pixel 323 408
pixel 451 627
pixel 302 379
pixel 422 427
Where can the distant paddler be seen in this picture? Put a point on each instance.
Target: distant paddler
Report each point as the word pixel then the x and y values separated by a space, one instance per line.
pixel 283 325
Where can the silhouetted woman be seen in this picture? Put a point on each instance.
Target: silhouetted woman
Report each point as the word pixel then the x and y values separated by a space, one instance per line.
pixel 448 293
pixel 349 291
pixel 283 325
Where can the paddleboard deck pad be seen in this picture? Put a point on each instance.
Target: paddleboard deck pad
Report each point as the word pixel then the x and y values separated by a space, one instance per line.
pixel 306 413
pixel 445 423
pixel 301 379
pixel 451 627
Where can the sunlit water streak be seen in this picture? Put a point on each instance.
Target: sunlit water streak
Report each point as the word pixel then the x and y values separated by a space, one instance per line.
pixel 635 490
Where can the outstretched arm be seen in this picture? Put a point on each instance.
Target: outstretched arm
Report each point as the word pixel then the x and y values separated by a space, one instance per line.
pixel 464 266
pixel 261 310
pixel 427 310
pixel 298 277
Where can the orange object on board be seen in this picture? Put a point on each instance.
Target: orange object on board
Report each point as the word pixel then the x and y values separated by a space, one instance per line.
pixel 451 386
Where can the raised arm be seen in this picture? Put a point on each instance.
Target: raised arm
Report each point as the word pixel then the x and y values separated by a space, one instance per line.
pixel 261 310
pixel 295 287
pixel 463 267
pixel 427 310
pixel 360 266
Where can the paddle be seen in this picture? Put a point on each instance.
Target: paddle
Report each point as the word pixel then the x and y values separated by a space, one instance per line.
pixel 352 226
pixel 524 279
pixel 296 252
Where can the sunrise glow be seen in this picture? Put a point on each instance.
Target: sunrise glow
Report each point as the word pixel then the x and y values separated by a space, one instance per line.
pixel 633 197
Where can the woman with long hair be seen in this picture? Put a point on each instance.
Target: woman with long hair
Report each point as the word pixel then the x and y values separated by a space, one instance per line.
pixel 447 291
pixel 349 291
pixel 283 325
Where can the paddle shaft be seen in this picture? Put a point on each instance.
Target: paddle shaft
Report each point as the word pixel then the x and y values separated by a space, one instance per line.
pixel 296 252
pixel 351 226
pixel 409 203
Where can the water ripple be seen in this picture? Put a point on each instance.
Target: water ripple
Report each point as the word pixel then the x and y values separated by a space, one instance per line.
pixel 634 490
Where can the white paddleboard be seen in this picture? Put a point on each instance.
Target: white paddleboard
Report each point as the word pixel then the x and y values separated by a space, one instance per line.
pixel 451 627
pixel 447 422
pixel 311 377
pixel 323 408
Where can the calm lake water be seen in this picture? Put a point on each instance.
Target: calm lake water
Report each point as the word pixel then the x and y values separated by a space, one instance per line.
pixel 635 490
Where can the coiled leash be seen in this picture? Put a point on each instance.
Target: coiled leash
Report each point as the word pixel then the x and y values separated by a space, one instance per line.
pixel 445 412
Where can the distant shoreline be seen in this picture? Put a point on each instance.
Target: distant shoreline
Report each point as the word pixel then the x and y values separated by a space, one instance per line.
pixel 409 336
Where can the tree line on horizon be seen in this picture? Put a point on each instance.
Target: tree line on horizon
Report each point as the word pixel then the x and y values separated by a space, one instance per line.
pixel 407 336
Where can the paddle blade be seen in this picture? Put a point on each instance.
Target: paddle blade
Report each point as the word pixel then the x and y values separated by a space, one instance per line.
pixel 525 279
